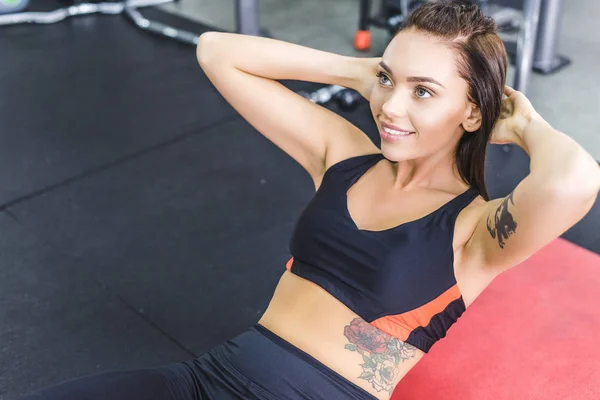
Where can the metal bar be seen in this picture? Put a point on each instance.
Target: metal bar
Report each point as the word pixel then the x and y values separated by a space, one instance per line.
pixel 404 9
pixel 247 17
pixel 52 17
pixel 146 3
pixel 364 15
pixel 505 15
pixel 322 95
pixel 546 58
pixel 161 29
pixel 526 44
pixel 484 6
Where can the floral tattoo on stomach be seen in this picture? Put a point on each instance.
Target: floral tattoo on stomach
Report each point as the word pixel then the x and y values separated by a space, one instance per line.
pixel 381 353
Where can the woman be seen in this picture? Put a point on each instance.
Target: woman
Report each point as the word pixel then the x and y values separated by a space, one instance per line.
pixel 397 241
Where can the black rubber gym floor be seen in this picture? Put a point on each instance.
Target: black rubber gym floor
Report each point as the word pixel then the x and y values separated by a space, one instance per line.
pixel 143 221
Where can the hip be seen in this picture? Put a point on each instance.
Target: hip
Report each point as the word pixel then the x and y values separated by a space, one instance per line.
pixel 258 364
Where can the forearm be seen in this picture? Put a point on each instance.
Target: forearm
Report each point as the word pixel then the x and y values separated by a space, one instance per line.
pixel 557 159
pixel 279 60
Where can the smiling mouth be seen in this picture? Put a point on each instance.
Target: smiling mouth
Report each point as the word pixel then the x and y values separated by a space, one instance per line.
pixel 394 132
pixel 393 129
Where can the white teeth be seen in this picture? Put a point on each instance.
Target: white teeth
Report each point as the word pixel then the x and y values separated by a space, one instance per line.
pixel 393 132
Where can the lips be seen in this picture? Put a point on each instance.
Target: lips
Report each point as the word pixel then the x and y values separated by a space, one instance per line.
pixel 391 137
pixel 395 128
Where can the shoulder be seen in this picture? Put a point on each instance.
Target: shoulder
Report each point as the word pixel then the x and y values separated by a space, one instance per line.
pixel 341 150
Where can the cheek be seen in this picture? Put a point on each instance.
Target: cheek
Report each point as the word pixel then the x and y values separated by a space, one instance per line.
pixel 436 118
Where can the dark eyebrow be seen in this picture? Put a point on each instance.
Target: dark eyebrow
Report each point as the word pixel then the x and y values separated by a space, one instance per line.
pixel 411 78
pixel 423 79
pixel 384 66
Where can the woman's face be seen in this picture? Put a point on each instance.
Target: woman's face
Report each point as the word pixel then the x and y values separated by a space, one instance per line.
pixel 419 90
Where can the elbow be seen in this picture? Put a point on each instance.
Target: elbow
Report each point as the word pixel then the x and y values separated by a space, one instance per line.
pixel 578 193
pixel 582 180
pixel 591 181
pixel 584 188
pixel 206 48
pixel 591 174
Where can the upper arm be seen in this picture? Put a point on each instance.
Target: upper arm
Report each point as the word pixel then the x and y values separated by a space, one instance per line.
pixel 301 128
pixel 511 229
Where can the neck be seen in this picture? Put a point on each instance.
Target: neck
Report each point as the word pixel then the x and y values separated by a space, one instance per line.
pixel 435 171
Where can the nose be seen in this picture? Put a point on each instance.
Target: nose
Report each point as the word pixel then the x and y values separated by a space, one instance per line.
pixel 395 106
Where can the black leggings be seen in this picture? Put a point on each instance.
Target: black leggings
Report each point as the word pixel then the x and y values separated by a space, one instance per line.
pixel 256 364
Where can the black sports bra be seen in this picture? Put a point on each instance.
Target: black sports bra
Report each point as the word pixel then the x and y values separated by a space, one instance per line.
pixel 400 280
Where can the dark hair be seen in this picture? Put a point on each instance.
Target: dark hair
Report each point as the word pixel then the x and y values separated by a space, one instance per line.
pixel 482 63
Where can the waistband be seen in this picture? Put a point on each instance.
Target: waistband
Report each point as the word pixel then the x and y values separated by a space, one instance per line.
pixel 258 364
pixel 340 383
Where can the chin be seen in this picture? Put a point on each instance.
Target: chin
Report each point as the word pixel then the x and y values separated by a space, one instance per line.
pixel 395 154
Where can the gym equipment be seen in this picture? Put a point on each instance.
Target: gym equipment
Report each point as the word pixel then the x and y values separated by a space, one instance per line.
pixel 390 16
pixel 129 8
pixel 247 23
pixel 546 59
pixel 51 17
pixel 246 12
pixel 526 43
pixel 347 99
pixel 536 22
pixel 543 309
pixel 392 13
pixel 11 6
pixel 160 28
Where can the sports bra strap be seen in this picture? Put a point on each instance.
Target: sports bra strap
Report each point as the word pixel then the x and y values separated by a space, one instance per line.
pixel 351 169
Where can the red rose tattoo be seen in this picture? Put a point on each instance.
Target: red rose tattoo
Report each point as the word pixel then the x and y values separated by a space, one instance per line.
pixel 381 353
pixel 366 337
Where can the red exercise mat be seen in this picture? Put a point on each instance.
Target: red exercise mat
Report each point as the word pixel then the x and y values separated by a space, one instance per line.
pixel 533 334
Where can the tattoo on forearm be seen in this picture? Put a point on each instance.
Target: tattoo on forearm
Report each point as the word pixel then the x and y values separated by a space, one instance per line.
pixel 381 353
pixel 503 225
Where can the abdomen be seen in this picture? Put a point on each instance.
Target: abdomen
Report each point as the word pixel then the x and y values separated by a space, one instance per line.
pixel 314 321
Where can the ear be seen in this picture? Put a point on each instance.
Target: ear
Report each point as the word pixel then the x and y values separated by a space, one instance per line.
pixel 472 121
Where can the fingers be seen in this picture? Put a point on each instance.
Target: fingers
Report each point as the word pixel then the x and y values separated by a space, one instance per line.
pixel 515 101
pixel 508 90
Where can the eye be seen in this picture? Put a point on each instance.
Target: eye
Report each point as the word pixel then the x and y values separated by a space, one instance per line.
pixel 422 93
pixel 383 78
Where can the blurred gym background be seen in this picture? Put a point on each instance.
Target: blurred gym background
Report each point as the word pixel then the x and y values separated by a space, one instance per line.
pixel 569 100
pixel 142 221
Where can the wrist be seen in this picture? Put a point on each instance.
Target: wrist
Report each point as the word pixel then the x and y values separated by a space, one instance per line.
pixel 534 130
pixel 531 123
pixel 362 74
pixel 526 122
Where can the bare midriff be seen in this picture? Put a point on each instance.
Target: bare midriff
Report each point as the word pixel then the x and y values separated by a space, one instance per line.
pixel 305 315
